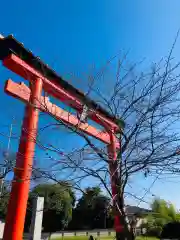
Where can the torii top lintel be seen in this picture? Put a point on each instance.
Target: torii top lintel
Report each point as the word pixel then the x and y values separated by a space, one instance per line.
pixel 10 48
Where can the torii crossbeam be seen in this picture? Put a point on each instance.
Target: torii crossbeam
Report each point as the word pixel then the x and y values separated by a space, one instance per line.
pixel 21 61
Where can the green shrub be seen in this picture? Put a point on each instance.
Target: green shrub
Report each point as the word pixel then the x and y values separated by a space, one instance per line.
pixel 154 231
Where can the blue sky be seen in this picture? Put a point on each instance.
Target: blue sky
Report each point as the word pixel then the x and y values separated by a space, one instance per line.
pixel 76 36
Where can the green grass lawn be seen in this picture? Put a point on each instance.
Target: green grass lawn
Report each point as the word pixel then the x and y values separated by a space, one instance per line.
pixel 146 238
pixel 84 238
pixel 100 238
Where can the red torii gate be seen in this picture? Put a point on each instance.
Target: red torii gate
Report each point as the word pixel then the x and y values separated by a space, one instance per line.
pixel 21 61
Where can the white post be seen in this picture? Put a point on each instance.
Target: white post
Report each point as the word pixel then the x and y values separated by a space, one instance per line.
pixel 36 220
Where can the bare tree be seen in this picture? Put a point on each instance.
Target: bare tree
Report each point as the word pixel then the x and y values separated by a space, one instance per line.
pixel 147 105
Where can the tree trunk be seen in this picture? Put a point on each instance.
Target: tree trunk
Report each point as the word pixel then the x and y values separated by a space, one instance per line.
pixel 128 232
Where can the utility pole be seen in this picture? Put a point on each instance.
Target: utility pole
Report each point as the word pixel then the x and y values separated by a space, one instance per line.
pixel 1 182
pixel 10 135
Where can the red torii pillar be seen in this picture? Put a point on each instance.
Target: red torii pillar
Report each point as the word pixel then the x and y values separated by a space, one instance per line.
pixel 22 173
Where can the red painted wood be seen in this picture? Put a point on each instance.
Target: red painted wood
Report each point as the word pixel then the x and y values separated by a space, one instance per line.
pixel 22 92
pixel 19 193
pixel 114 172
pixel 20 186
pixel 21 68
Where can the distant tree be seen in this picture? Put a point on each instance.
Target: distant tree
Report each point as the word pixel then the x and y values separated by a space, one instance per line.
pixel 4 201
pixel 58 202
pixel 162 213
pixel 7 162
pixel 163 209
pixel 93 209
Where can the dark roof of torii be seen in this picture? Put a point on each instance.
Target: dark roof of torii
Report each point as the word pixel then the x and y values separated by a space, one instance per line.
pixel 10 45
